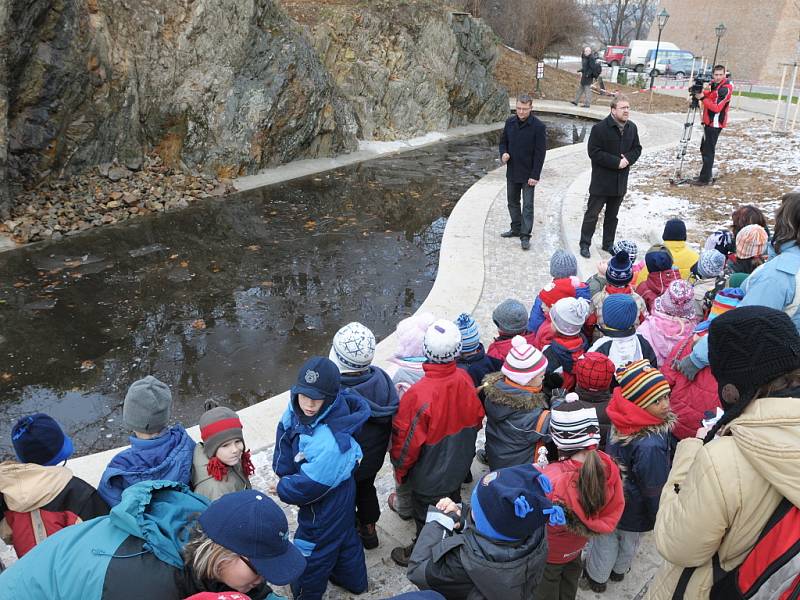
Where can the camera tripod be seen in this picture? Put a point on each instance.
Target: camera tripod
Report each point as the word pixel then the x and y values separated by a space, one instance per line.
pixel 688 125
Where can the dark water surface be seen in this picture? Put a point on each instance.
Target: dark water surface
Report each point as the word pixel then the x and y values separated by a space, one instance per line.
pixel 225 299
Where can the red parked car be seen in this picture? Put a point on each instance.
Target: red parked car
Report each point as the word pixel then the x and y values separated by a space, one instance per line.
pixel 614 55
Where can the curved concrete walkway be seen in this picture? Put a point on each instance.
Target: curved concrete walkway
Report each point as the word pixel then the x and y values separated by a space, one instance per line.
pixel 477 270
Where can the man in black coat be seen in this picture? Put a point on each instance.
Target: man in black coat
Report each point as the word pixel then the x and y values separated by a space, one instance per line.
pixel 522 150
pixel 590 70
pixel 613 147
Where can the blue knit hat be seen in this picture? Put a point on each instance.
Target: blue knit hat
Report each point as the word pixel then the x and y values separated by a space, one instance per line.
pixel 674 230
pixel 470 334
pixel 318 378
pixel 38 439
pixel 658 260
pixel 511 504
pixel 619 312
pixel 619 271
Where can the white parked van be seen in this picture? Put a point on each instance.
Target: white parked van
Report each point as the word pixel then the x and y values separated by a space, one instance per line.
pixel 636 54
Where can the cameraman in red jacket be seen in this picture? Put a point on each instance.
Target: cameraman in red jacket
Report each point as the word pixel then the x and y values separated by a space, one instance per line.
pixel 716 99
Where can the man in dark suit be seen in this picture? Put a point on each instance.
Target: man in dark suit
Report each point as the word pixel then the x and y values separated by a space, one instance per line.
pixel 522 150
pixel 613 147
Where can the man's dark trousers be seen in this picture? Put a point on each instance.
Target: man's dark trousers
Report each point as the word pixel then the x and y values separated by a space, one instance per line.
pixel 708 149
pixel 521 220
pixel 596 203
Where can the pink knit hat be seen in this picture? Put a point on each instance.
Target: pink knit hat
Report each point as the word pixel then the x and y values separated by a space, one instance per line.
pixel 411 333
pixel 523 362
pixel 677 300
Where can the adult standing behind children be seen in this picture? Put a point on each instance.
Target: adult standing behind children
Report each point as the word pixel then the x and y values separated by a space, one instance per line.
pixel 522 149
pixel 726 483
pixel 613 147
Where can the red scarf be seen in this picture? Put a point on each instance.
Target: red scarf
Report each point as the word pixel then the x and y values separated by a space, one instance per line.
pixel 627 417
pixel 219 470
pixel 612 289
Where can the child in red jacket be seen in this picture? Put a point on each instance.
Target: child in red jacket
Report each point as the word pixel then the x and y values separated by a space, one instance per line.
pixel 435 428
pixel 37 496
pixel 511 318
pixel 587 485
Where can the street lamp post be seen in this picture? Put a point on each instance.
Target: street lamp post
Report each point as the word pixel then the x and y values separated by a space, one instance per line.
pixel 662 19
pixel 720 31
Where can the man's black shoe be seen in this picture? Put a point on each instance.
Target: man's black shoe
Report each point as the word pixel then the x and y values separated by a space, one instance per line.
pixel 526 244
pixel 699 182
pixel 509 234
pixel 585 252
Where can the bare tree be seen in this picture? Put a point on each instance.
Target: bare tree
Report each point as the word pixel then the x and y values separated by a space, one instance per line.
pixel 617 22
pixel 550 24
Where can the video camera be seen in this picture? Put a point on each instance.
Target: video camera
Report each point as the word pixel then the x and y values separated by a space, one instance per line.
pixel 697 87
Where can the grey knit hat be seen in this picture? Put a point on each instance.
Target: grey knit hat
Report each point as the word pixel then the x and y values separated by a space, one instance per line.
pixel 217 426
pixel 563 264
pixel 147 405
pixel 510 317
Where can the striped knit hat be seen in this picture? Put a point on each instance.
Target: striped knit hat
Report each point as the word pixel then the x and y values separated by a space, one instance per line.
pixel 574 427
pixel 523 362
pixel 641 383
pixel 470 334
pixel 725 300
pixel 751 241
pixel 619 270
pixel 217 426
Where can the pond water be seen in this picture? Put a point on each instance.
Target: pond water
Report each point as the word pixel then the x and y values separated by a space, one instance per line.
pixel 224 300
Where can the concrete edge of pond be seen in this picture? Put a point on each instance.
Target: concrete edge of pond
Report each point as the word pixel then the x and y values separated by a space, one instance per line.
pixel 457 288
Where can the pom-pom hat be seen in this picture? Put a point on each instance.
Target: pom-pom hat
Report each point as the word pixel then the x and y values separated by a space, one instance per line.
pixel 523 362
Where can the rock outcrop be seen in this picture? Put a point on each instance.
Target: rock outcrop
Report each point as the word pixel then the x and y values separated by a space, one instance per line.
pixel 408 70
pixel 228 86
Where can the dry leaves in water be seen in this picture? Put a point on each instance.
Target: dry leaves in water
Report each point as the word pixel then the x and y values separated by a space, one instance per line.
pixel 198 324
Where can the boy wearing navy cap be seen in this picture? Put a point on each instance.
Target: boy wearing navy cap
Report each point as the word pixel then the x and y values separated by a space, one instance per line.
pixel 315 457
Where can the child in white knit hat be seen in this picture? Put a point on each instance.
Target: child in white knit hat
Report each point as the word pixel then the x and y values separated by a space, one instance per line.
pixel 517 419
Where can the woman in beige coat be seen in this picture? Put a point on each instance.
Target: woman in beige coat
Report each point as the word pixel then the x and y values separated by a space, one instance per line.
pixel 721 492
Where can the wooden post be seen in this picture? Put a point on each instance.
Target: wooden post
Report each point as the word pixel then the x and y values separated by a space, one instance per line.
pixel 778 103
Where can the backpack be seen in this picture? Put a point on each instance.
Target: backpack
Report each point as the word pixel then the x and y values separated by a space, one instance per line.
pixel 597 69
pixel 771 568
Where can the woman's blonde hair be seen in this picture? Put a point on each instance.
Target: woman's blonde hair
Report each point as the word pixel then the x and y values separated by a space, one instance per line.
pixel 205 557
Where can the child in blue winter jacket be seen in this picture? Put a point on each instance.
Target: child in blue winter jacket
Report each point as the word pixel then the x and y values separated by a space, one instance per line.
pixel 157 451
pixel 315 457
pixel 352 351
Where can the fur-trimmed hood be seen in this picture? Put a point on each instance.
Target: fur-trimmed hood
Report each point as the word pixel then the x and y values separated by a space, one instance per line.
pixel 662 428
pixel 501 393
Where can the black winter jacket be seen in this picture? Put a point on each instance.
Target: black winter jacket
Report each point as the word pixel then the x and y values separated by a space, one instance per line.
pixel 376 387
pixel 588 69
pixel 511 418
pixel 526 142
pixel 606 148
pixel 469 566
pixel 479 365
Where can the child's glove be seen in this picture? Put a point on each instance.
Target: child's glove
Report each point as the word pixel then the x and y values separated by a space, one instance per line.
pixel 687 367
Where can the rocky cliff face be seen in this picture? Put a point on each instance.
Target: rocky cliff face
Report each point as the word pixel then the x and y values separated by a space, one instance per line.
pixel 408 71
pixel 227 85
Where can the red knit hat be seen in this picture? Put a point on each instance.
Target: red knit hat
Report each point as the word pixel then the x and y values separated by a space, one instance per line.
pixel 593 371
pixel 556 290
